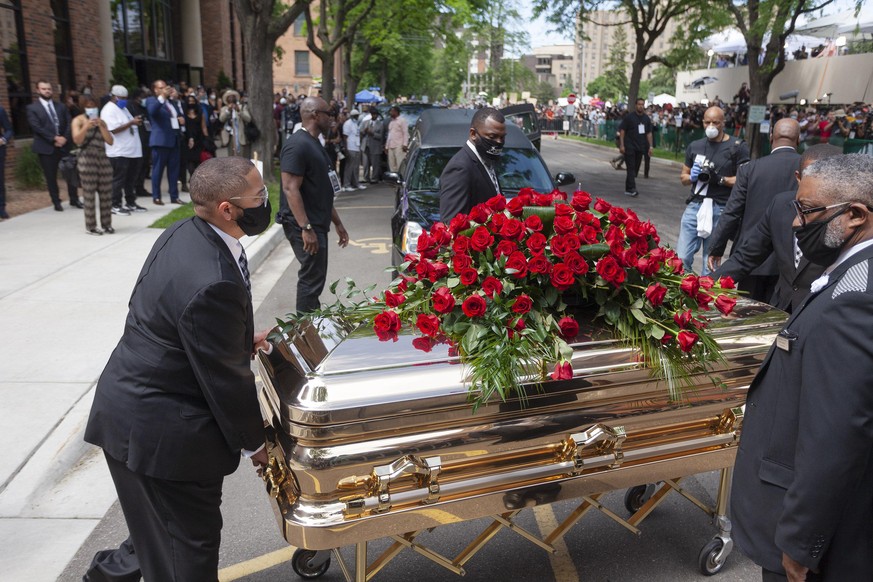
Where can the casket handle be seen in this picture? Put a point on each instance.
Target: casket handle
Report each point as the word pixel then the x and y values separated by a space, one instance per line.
pixel 605 440
pixel 426 473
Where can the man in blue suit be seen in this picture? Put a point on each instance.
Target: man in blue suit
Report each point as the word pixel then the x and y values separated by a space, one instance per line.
pixel 166 120
pixel 6 136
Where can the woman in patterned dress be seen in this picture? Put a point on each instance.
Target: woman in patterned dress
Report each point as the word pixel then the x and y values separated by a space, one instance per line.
pixel 90 134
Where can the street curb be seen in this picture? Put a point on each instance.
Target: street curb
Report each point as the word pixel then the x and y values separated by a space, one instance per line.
pixel 674 163
pixel 261 246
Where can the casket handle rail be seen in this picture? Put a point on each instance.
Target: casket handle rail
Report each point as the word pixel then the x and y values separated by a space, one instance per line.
pixel 280 481
pixel 600 446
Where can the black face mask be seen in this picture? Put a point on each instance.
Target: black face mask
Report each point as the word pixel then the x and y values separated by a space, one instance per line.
pixel 255 220
pixel 811 241
pixel 488 147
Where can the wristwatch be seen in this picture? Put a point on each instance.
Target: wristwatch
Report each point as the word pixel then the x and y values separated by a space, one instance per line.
pixel 721 181
pixel 306 226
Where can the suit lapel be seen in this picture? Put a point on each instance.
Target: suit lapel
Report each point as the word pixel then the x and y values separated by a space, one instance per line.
pixel 481 167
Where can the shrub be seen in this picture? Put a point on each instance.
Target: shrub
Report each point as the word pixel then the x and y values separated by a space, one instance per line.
pixel 28 172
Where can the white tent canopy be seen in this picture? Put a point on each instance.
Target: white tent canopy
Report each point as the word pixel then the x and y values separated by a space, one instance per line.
pixel 663 99
pixel 839 23
pixel 732 41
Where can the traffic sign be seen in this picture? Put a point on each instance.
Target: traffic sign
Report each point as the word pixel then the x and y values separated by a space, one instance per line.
pixel 571 98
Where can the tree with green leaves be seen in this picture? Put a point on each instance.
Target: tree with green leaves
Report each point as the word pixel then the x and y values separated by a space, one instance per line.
pixel 262 23
pixel 648 20
pixel 616 65
pixel 122 73
pixel 765 25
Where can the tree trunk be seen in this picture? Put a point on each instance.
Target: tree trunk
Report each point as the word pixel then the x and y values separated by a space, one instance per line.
pixel 633 88
pixel 759 87
pixel 327 74
pixel 259 78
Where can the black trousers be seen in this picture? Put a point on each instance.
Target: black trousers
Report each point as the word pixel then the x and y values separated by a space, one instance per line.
pixel 759 287
pixel 770 576
pixel 49 163
pixel 313 268
pixel 632 161
pixel 175 526
pixel 3 177
pixel 145 167
pixel 125 172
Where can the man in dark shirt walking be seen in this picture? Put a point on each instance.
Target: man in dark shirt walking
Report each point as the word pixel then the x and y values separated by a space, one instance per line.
pixel 306 210
pixel 635 142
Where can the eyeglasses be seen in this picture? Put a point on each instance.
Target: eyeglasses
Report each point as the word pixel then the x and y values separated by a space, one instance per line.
pixel 328 112
pixel 802 212
pixel 263 196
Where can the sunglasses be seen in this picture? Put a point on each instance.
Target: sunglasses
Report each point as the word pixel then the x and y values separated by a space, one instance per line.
pixel 802 212
pixel 327 112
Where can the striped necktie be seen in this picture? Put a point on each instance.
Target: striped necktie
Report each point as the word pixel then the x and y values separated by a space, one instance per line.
pixel 244 267
pixel 53 114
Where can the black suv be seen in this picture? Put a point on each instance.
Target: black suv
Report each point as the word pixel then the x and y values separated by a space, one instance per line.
pixel 438 135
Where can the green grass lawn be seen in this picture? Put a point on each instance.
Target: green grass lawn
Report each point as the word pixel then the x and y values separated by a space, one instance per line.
pixel 183 212
pixel 656 153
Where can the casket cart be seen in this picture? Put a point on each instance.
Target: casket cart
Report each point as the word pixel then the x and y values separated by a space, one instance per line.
pixel 371 439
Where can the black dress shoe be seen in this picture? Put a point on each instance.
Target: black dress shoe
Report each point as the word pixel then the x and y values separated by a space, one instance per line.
pixel 109 230
pixel 58 207
pixel 4 215
pixel 77 204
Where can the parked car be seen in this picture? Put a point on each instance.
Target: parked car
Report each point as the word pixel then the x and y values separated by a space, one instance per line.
pixel 524 115
pixel 437 136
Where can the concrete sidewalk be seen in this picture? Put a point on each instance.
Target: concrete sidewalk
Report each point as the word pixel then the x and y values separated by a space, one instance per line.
pixel 63 301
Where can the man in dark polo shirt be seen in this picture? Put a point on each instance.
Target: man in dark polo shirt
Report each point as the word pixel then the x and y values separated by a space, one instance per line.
pixel 306 210
pixel 635 142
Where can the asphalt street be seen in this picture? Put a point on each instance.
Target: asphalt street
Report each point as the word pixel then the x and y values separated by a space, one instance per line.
pixel 595 549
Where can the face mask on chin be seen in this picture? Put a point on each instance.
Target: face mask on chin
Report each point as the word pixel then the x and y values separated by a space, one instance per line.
pixel 255 220
pixel 488 148
pixel 711 132
pixel 817 245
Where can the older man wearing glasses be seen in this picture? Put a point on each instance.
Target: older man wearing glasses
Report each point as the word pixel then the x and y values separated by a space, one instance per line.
pixel 801 499
pixel 306 211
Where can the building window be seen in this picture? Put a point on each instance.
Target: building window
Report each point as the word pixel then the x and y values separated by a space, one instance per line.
pixel 298 25
pixel 15 63
pixel 63 45
pixel 301 63
pixel 142 28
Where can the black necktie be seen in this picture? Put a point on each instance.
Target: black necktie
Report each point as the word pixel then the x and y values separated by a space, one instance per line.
pixel 54 116
pixel 244 267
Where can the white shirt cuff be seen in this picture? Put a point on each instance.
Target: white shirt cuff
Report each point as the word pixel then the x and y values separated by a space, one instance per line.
pixel 250 454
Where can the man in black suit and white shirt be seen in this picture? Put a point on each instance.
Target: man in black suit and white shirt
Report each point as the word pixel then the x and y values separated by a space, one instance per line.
pixel 757 183
pixel 50 122
pixel 801 501
pixel 470 178
pixel 773 239
pixel 176 402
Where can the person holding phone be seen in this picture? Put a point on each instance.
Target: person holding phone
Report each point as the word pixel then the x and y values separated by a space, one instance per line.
pixel 91 135
pixel 125 153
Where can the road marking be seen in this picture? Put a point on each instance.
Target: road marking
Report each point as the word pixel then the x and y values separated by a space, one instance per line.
pixel 376 244
pixel 562 564
pixel 254 565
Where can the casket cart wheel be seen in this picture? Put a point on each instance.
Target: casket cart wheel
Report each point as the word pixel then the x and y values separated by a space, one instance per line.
pixel 306 563
pixel 636 497
pixel 711 560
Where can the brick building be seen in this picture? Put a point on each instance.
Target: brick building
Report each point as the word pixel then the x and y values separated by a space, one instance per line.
pixel 73 43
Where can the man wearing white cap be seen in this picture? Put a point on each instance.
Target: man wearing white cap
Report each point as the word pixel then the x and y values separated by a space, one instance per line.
pixel 125 153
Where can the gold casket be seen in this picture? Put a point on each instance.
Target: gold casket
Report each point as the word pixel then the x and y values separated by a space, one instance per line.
pixel 371 439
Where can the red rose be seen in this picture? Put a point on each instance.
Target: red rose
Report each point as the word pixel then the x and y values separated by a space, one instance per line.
pixel 602 206
pixel 725 304
pixel 497 222
pixel 564 224
pixel 686 340
pixel 514 326
pixel 443 300
pixel 690 285
pixel 675 263
pixel 589 234
pixel 611 271
pixel 480 213
pixel 516 205
pixel 640 246
pixel 617 215
pixel 629 258
pixel 655 294
pixel 580 201
pixel 437 271
pixel 481 239
pixel 682 319
pixel 492 286
pixel 558 245
pixel 614 236
pixel 542 199
pixel 562 277
pixel 516 265
pixel 461 244
pixel 647 266
pixel 429 325
pixel 576 263
pixel 703 300
pixel 440 234
pixel 505 247
pixel 706 282
pixel 572 241
pixel 569 328
pixel 563 371
pixel 474 306
pixel 469 276
pixel 563 210
pixel 534 223
pixel 497 203
pixel 394 299
pixel 522 304
pixel 726 282
pixel 633 230
pixel 559 195
pixel 461 262
pixel 536 242
pixel 539 264
pixel 526 194
pixel 423 268
pixel 424 344
pixel 512 229
pixel 386 325
pixel 459 223
pixel 666 339
pixel 427 245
